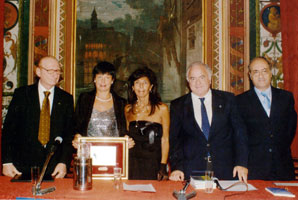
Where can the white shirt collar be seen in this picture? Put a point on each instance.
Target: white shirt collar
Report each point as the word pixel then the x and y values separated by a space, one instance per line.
pixel 267 92
pixel 42 89
pixel 206 96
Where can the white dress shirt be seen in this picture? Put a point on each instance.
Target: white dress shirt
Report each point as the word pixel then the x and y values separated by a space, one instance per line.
pixel 41 91
pixel 196 102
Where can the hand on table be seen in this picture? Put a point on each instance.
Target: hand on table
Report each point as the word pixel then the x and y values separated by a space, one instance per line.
pixel 10 170
pixel 177 175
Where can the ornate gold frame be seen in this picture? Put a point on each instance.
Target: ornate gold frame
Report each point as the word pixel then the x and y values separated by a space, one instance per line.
pixel 97 145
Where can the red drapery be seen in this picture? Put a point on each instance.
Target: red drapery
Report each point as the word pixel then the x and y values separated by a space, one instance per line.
pixel 289 22
pixel 1 67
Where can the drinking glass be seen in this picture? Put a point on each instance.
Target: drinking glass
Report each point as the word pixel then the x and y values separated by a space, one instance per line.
pixel 117 178
pixel 208 181
pixel 34 178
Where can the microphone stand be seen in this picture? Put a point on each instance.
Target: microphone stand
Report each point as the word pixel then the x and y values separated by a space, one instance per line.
pixel 37 190
pixel 181 194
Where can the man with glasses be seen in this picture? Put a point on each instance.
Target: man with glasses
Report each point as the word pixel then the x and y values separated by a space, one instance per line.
pixel 37 115
pixel 271 121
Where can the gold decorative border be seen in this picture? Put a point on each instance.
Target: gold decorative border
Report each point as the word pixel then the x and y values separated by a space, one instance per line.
pixel 110 141
pixel 216 44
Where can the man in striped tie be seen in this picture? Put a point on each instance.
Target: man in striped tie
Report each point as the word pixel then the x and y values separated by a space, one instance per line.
pixel 37 115
pixel 271 120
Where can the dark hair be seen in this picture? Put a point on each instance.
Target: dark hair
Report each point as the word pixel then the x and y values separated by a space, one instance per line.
pixel 154 97
pixel 262 58
pixel 104 68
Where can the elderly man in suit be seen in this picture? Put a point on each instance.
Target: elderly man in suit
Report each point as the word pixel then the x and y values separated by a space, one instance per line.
pixel 271 121
pixel 206 130
pixel 37 115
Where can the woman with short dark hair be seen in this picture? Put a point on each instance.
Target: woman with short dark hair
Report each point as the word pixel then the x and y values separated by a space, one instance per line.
pixel 100 112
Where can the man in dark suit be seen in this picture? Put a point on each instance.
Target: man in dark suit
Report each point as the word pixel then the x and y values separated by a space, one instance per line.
pixel 271 121
pixel 206 130
pixel 21 145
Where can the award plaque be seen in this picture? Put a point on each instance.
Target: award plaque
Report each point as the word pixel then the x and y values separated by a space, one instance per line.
pixel 107 153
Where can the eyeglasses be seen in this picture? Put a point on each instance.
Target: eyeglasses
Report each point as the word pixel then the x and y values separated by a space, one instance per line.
pixel 52 71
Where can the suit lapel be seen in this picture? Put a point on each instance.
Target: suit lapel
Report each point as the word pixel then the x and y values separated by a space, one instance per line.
pixel 274 103
pixel 55 110
pixel 256 103
pixel 190 116
pixel 217 109
pixel 33 99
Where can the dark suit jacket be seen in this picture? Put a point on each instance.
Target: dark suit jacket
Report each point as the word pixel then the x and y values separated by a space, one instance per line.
pixel 269 138
pixel 20 144
pixel 227 141
pixel 84 108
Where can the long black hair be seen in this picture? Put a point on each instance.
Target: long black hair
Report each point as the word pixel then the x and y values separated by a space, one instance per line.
pixel 154 97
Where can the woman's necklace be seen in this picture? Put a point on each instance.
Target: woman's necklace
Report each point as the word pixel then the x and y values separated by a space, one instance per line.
pixel 142 108
pixel 103 100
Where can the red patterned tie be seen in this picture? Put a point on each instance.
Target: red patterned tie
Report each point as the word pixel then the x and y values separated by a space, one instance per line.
pixel 44 120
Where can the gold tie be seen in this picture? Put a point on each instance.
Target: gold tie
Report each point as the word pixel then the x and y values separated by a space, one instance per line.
pixel 44 120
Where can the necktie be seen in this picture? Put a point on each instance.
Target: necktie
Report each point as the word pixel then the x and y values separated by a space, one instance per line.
pixel 205 121
pixel 266 102
pixel 44 120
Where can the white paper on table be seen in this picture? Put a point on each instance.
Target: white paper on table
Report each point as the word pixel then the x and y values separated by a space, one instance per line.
pixel 286 184
pixel 139 187
pixel 236 188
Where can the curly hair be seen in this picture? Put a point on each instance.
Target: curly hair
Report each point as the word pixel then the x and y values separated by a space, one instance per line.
pixel 154 97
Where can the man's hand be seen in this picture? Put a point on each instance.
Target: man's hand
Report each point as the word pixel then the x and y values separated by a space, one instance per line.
pixel 242 173
pixel 60 170
pixel 10 170
pixel 177 175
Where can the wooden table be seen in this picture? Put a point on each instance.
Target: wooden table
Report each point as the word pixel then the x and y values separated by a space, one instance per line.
pixel 103 189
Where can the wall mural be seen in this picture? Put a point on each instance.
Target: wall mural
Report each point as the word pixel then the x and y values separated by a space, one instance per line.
pixel 132 34
pixel 237 48
pixel 10 42
pixel 270 39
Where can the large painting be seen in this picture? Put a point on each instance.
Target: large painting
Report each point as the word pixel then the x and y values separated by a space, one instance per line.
pixel 161 34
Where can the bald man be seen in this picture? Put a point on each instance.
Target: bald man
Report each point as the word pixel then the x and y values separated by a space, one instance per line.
pixel 271 120
pixel 21 148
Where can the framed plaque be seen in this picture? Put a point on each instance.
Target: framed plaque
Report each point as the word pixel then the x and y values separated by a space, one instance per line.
pixel 107 153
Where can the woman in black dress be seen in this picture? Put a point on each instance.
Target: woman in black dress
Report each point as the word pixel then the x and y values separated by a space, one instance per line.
pixel 148 121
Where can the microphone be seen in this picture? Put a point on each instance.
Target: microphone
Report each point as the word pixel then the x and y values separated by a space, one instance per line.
pixel 37 190
pixel 181 195
pixel 58 141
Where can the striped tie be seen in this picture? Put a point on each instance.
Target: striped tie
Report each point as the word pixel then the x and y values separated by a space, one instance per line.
pixel 266 103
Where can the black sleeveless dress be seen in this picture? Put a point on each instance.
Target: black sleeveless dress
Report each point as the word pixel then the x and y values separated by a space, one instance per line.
pixel 145 156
